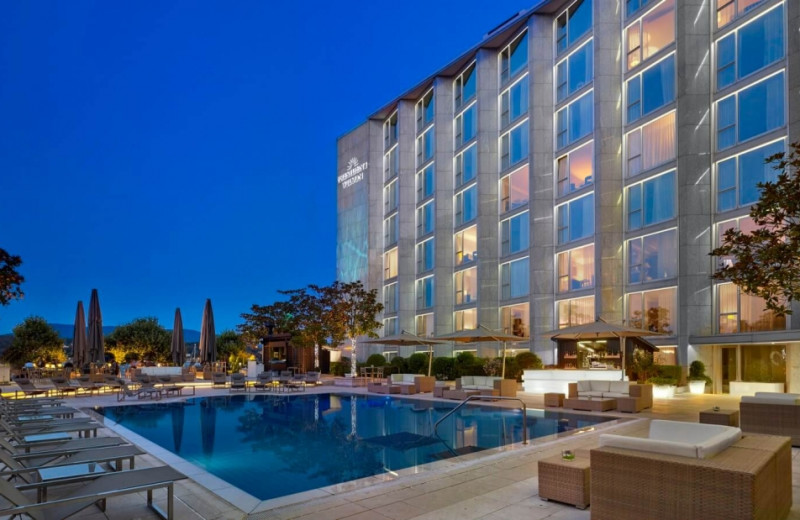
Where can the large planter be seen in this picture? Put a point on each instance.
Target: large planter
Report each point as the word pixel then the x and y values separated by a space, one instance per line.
pixel 697 387
pixel 663 391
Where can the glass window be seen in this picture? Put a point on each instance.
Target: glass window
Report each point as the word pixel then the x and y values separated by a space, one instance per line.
pixel 631 6
pixel 651 145
pixel 574 23
pixel 575 269
pixel 514 189
pixel 466 126
pixel 729 10
pixel 515 234
pixel 764 363
pixel 390 197
pixel 425 256
pixel 726 60
pixel 390 231
pixel 653 257
pixel 390 264
pixel 466 203
pixel 514 278
pixel 743 224
pixel 516 320
pixel 574 72
pixel 575 312
pixel 464 87
pixel 426 182
pixel 576 169
pixel 651 201
pixel 514 102
pixel 425 111
pixel 391 164
pixel 466 286
pixel 655 311
pixel 751 47
pixel 514 58
pixel 514 146
pixel 390 297
pixel 466 319
pixel 655 87
pixel 426 219
pixel 466 165
pixel 740 312
pixel 752 111
pixel 425 147
pixel 651 33
pixel 575 219
pixel 390 326
pixel 575 121
pixel 752 168
pixel 424 324
pixel 466 246
pixel 425 293
pixel 390 132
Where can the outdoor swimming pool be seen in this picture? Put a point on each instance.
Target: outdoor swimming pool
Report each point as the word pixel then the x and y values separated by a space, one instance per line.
pixel 276 445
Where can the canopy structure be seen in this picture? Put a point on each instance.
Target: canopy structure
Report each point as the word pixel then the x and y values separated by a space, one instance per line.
pixel 405 339
pixel 482 335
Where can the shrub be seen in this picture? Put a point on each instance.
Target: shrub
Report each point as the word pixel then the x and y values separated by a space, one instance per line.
pixel 526 360
pixel 670 371
pixel 443 368
pixel 418 363
pixel 468 365
pixel 660 380
pixel 493 367
pixel 399 365
pixel 340 368
pixel 697 372
pixel 376 360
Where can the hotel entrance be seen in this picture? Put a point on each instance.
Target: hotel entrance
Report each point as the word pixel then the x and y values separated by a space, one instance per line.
pixel 750 368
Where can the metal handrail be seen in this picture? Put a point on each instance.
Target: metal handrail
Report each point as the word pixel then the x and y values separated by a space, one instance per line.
pixel 471 397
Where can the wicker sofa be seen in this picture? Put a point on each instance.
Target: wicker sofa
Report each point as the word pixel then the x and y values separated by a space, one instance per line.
pixel 771 413
pixel 488 384
pixel 630 397
pixel 693 473
pixel 421 383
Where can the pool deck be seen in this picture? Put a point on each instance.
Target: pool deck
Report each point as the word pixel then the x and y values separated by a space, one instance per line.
pixel 501 485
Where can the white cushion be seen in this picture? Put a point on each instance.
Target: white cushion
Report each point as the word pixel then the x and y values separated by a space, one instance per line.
pixel 479 380
pixel 600 386
pixel 467 380
pixel 650 445
pixel 718 443
pixel 590 394
pixel 694 433
pixel 615 394
pixel 678 438
pixel 769 400
pixel 584 386
pixel 619 387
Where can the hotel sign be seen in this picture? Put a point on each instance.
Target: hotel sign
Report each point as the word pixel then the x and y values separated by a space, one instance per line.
pixel 354 172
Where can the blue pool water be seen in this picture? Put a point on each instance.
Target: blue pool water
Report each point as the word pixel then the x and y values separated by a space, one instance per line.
pixel 276 445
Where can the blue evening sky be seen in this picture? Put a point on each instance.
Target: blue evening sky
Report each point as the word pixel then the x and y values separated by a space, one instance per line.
pixel 169 152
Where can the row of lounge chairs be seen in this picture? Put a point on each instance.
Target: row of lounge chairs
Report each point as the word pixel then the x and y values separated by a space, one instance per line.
pixel 42 457
pixel 284 381
pixel 144 387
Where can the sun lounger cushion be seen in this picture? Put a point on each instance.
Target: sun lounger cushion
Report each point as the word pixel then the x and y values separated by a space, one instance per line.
pixel 678 438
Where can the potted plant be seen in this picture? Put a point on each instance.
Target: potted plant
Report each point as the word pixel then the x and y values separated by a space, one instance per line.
pixel 697 377
pixel 663 387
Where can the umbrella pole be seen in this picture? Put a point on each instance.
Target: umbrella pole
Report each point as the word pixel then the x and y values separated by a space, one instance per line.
pixel 430 359
pixel 503 372
pixel 622 355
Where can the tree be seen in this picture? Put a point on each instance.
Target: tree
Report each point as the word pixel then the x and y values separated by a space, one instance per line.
pixel 35 341
pixel 144 337
pixel 232 349
pixel 309 329
pixel 10 279
pixel 766 262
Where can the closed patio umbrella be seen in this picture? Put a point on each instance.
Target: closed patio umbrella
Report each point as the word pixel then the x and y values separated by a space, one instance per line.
pixel 79 353
pixel 482 335
pixel 178 345
pixel 208 338
pixel 405 339
pixel 178 416
pixel 96 347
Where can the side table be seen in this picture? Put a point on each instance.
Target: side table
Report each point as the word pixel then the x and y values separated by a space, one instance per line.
pixel 554 399
pixel 565 481
pixel 723 417
pixel 437 390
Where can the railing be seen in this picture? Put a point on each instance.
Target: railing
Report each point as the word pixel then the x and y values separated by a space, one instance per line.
pixel 493 397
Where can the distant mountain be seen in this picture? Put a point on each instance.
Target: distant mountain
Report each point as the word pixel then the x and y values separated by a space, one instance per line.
pixel 65 331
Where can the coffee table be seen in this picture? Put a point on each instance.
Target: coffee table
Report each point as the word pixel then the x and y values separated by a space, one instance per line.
pixel 723 417
pixel 566 481
pixel 591 405
pixel 554 399
pixel 437 390
pixel 408 389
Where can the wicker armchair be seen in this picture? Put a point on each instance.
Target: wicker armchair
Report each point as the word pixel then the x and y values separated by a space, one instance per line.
pixel 771 414
pixel 750 479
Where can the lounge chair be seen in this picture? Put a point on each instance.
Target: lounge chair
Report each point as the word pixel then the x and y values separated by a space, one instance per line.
pixel 67 447
pixel 86 386
pixel 63 388
pixel 139 393
pixel 168 386
pixel 238 383
pixel 263 381
pixel 97 491
pixel 113 382
pixel 28 389
pixel 20 433
pixel 219 379
pixel 313 378
pixel 25 470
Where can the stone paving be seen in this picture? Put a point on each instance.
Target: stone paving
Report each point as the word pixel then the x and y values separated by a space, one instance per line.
pixel 501 485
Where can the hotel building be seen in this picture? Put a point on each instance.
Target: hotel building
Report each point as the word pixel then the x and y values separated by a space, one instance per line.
pixel 582 161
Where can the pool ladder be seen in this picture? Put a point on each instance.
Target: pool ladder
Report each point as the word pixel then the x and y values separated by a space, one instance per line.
pixel 493 397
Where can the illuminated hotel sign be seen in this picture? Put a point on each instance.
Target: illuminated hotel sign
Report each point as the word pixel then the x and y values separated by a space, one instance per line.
pixel 353 173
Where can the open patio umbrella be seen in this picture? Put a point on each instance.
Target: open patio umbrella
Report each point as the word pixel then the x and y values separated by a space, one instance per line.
pixel 601 330
pixel 405 339
pixel 178 346
pixel 96 348
pixel 79 338
pixel 482 335
pixel 208 338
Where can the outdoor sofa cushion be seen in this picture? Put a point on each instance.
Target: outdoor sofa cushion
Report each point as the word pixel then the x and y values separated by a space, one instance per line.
pixel 771 398
pixel 598 388
pixel 476 382
pixel 684 439
pixel 403 379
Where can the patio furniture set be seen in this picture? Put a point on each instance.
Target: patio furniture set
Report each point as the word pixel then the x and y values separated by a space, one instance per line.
pixel 602 396
pixel 465 386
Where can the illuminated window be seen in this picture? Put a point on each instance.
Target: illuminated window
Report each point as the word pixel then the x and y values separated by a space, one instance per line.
pixel 514 146
pixel 574 72
pixel 426 183
pixel 466 286
pixel 390 297
pixel 514 102
pixel 391 164
pixel 425 147
pixel 751 112
pixel 390 231
pixel 575 120
pixel 426 219
pixel 515 234
pixel 572 24
pixel 425 111
pixel 575 169
pixel 466 206
pixel 466 319
pixel 743 224
pixel 390 132
pixel 514 58
pixel 576 311
pixel 651 145
pixel 466 166
pixel 464 87
pixel 653 257
pixel 424 324
pixel 466 246
pixel 740 312
pixel 631 6
pixel 650 33
pixel 515 279
pixel 652 89
pixel 390 326
pixel 655 311
pixel 425 256
pixel 750 48
pixel 575 219
pixel 738 176
pixel 390 264
pixel 390 197
pixel 728 10
pixel 425 293
pixel 651 201
pixel 576 269
pixel 514 189
pixel 516 320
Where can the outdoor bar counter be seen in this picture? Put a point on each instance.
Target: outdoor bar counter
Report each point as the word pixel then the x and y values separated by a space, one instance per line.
pixel 556 380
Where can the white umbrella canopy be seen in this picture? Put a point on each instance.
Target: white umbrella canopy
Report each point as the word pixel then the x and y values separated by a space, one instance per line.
pixel 178 345
pixel 79 338
pixel 96 348
pixel 208 338
pixel 405 339
pixel 483 335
